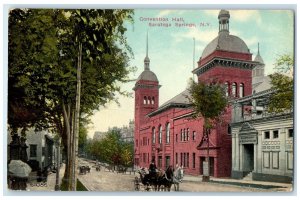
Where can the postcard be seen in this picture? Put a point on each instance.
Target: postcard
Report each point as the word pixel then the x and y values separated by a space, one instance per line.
pixel 147 100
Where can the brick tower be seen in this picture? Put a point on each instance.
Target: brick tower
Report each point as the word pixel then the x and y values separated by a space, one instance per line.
pixel 146 99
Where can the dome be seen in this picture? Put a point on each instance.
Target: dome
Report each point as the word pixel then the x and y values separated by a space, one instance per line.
pixel 226 42
pixel 147 75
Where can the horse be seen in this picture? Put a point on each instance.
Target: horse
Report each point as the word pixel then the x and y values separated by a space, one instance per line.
pixel 178 177
pixel 148 180
pixel 166 179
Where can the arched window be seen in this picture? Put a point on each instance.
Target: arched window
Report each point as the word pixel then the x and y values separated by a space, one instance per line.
pixel 153 135
pixel 241 89
pixel 233 89
pixel 184 135
pixel 187 135
pixel 153 100
pixel 227 89
pixel 145 100
pixel 168 133
pixel 160 134
pixel 181 135
pixel 149 100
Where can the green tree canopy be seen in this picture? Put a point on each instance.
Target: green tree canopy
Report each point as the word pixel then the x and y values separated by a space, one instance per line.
pixel 42 65
pixel 283 85
pixel 208 100
pixel 112 149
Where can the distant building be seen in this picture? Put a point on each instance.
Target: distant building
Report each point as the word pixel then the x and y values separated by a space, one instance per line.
pixel 41 151
pixel 127 132
pixel 41 148
pixel 99 135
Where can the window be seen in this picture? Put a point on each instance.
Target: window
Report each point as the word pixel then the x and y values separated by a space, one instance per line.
pixel 149 100
pixel 188 160
pixel 160 134
pixel 43 151
pixel 181 135
pixel 275 134
pixel 184 135
pixel 33 149
pixel 291 133
pixel 168 133
pixel 229 129
pixel 227 89
pixel 241 90
pixel 194 160
pixel 194 135
pixel 181 157
pixel 187 135
pixel 167 161
pixel 153 100
pixel 153 135
pixel 159 161
pixel 145 100
pixel 267 135
pixel 234 89
pixel 176 158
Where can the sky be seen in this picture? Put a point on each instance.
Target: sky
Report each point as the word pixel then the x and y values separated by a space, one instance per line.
pixel 171 49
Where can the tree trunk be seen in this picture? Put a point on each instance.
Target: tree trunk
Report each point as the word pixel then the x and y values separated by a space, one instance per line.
pixel 68 145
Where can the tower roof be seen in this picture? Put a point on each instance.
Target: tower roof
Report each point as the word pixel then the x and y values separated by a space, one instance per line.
pixel 147 74
pixel 258 58
pixel 225 41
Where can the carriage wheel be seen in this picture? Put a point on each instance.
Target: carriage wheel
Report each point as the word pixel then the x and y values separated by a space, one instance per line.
pixel 136 184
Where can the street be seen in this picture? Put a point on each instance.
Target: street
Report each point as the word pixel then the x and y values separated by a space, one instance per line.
pixel 108 181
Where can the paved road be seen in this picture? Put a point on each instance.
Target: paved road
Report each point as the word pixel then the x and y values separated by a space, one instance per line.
pixel 105 181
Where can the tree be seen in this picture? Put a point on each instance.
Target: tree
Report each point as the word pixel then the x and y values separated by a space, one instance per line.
pixel 112 149
pixel 208 100
pixel 283 85
pixel 43 57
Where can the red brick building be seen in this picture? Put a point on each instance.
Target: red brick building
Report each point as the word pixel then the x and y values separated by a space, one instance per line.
pixel 168 134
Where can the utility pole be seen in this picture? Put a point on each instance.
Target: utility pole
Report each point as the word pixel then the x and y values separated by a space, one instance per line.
pixel 194 59
pixel 77 116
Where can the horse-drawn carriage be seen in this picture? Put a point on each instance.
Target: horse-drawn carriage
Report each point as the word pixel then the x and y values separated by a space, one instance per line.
pixel 159 181
pixel 84 169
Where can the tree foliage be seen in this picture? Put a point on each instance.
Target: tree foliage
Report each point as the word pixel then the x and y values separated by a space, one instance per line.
pixel 43 58
pixel 282 99
pixel 112 149
pixel 208 100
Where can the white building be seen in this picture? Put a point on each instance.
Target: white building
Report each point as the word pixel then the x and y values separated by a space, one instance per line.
pixel 262 143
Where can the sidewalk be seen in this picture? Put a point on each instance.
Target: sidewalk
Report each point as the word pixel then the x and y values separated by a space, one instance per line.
pixel 33 185
pixel 240 182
